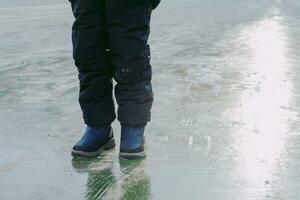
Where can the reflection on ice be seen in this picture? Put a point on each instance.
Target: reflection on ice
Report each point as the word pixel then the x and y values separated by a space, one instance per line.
pixel 135 183
pixel 100 176
pixel 108 179
pixel 262 108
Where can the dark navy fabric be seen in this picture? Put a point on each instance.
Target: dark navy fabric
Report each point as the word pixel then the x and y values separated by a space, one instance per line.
pixel 110 41
pixel 155 3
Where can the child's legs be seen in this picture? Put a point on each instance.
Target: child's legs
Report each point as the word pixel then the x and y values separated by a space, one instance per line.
pixel 90 44
pixel 128 23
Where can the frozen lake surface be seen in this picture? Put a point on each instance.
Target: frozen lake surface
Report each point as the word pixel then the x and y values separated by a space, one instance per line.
pixel 226 114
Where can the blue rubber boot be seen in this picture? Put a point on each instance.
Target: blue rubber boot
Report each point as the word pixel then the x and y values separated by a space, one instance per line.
pixel 132 142
pixel 94 142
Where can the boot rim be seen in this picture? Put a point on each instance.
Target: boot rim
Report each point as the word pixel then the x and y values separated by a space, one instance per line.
pixel 130 156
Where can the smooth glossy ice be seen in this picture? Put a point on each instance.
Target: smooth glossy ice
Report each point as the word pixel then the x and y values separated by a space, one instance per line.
pixel 225 119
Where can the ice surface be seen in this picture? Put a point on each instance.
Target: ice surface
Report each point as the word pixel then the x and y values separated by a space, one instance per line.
pixel 226 114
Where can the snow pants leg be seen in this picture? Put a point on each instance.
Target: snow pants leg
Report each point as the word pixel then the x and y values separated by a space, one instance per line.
pixel 110 41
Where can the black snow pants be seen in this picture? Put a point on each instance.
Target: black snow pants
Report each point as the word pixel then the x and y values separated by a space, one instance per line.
pixel 110 41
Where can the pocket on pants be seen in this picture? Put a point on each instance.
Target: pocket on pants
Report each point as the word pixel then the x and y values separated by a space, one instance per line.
pixel 130 73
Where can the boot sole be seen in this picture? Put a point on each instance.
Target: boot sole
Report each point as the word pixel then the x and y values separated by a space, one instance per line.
pixel 109 145
pixel 132 156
